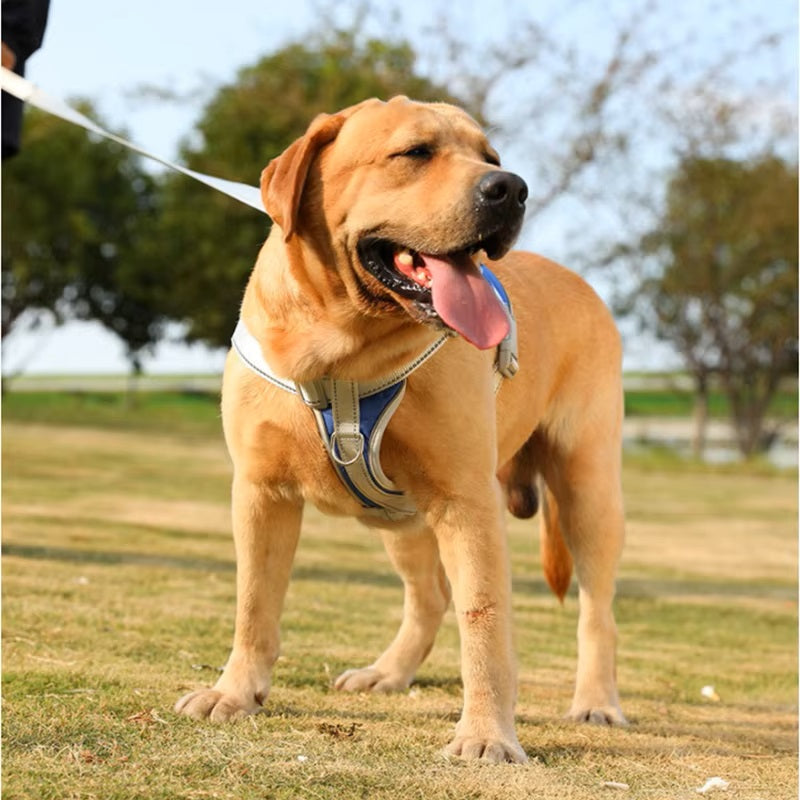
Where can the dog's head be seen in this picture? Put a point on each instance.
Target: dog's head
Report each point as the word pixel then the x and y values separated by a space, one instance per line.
pixel 405 196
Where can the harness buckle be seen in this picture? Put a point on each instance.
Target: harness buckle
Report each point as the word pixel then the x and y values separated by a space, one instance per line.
pixel 313 394
pixel 507 362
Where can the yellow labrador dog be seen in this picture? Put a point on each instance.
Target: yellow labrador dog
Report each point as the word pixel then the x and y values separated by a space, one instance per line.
pixel 381 214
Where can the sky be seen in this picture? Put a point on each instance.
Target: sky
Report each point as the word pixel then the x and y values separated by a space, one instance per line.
pixel 107 51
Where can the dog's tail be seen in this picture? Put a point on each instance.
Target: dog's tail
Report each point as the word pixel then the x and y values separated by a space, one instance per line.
pixel 556 558
pixel 523 490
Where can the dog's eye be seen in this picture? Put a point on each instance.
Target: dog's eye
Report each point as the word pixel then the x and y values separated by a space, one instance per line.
pixel 491 158
pixel 421 151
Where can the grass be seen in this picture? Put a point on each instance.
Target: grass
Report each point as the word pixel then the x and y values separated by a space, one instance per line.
pixel 159 411
pixel 680 403
pixel 118 592
pixel 197 410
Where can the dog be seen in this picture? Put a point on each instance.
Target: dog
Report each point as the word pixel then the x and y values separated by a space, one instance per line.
pixel 381 213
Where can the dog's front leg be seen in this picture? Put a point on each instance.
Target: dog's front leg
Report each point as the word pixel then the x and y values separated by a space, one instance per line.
pixel 474 551
pixel 265 532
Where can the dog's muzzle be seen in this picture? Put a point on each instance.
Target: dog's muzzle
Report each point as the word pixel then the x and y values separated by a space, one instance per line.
pixel 447 285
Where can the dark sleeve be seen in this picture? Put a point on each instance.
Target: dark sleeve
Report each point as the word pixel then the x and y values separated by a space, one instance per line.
pixel 23 24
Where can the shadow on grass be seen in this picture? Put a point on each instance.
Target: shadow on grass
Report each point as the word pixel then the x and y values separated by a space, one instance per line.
pixel 111 557
pixel 77 555
pixel 124 527
pixel 728 739
pixel 626 588
pixel 450 684
pixel 702 587
pixel 680 586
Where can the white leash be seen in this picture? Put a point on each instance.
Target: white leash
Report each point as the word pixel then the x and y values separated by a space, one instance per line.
pixel 29 93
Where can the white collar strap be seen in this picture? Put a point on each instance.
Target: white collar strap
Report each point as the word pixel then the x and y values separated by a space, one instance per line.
pixel 317 393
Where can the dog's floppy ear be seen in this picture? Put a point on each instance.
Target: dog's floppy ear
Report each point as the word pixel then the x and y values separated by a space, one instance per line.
pixel 283 178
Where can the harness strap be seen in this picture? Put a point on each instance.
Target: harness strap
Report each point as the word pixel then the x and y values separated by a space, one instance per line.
pixel 506 363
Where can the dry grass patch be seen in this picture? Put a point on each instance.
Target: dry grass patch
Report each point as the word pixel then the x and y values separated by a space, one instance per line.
pixel 118 590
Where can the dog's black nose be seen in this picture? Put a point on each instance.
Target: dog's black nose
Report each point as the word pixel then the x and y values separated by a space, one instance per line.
pixel 501 189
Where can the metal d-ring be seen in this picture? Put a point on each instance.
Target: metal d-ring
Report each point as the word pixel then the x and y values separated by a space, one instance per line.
pixel 341 462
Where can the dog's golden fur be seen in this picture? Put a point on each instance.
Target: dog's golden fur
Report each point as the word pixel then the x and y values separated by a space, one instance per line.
pixel 460 450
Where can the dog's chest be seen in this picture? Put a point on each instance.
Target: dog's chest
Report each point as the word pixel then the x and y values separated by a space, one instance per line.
pixel 289 458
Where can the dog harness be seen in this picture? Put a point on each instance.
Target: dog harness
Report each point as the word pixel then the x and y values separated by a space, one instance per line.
pixel 352 416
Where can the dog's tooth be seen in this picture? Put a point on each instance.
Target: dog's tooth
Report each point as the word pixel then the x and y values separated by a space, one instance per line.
pixel 405 258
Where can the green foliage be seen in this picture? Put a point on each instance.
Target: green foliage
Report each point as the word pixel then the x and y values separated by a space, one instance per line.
pixel 206 243
pixel 73 208
pixel 724 285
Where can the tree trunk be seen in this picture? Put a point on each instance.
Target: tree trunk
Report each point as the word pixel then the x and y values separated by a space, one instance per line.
pixel 132 391
pixel 750 400
pixel 700 416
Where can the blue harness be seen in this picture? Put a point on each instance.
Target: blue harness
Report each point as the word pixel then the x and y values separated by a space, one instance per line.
pixel 352 416
pixel 372 410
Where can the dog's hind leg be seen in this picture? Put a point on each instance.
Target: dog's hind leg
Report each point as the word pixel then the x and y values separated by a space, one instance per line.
pixel 427 594
pixel 589 513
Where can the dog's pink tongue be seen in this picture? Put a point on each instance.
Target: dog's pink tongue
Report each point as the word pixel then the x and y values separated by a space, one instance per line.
pixel 466 302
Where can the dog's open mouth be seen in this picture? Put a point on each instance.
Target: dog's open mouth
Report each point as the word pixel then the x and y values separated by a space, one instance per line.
pixel 446 286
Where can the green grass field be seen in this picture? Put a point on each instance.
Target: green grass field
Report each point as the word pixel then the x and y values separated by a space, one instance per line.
pixel 195 411
pixel 674 403
pixel 118 593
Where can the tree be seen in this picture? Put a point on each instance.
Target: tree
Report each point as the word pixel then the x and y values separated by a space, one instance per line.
pixel 575 120
pixel 73 206
pixel 592 98
pixel 723 281
pixel 205 242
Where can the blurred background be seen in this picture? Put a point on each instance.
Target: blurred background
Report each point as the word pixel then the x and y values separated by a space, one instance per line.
pixel 658 139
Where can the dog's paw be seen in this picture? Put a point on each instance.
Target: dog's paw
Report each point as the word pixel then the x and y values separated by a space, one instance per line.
pixel 215 706
pixel 493 750
pixel 599 715
pixel 370 679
